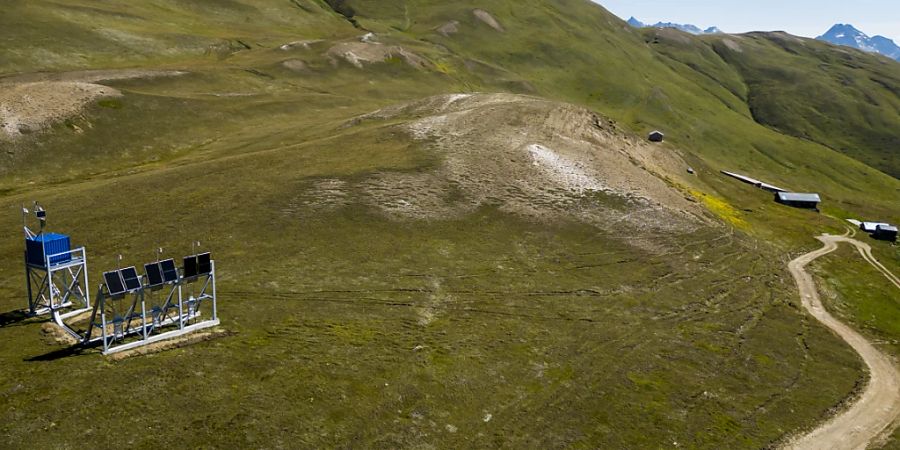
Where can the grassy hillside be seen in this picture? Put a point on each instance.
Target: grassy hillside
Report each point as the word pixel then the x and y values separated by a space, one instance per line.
pixel 844 99
pixel 582 54
pixel 512 312
pixel 54 36
pixel 577 52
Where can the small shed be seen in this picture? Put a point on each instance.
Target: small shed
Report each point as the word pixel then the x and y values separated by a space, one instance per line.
pixel 656 136
pixel 885 233
pixel 798 200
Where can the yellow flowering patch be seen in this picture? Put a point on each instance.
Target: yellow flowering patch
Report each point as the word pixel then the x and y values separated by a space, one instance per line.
pixel 722 209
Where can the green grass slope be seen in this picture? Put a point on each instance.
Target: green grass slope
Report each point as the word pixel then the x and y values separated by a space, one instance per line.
pixel 54 36
pixel 843 99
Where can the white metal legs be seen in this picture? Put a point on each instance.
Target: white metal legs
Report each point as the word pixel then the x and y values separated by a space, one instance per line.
pixel 55 287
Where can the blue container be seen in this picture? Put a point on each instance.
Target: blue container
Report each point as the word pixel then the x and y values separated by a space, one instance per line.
pixel 53 243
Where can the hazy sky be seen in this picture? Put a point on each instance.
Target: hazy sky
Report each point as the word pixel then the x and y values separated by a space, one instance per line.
pixel 808 18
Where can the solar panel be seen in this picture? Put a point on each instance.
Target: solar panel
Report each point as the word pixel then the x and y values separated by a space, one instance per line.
pixel 114 283
pixel 204 264
pixel 131 278
pixel 169 272
pixel 190 266
pixel 154 274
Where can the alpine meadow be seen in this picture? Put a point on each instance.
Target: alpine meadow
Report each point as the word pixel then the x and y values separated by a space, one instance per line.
pixel 441 224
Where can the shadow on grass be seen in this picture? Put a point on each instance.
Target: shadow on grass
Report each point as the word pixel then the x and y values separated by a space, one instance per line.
pixel 68 352
pixel 13 317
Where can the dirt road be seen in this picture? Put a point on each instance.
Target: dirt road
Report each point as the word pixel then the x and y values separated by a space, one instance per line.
pixel 877 410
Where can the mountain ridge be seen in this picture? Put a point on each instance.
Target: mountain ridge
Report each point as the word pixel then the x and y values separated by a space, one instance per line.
pixel 849 36
pixel 687 28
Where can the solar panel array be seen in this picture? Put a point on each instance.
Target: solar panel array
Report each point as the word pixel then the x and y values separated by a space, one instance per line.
pixel 120 281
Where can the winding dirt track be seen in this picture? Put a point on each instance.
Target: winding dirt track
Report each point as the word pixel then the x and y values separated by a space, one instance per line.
pixel 876 411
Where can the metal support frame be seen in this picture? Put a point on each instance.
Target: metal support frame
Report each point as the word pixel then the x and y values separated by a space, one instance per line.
pixel 60 289
pixel 55 287
pixel 176 317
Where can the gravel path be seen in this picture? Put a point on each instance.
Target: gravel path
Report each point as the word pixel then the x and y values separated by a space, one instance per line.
pixel 876 411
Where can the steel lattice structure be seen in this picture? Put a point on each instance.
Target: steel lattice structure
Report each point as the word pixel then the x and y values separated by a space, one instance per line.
pixel 57 280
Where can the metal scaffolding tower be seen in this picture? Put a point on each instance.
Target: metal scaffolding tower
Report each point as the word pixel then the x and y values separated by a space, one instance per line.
pixel 56 275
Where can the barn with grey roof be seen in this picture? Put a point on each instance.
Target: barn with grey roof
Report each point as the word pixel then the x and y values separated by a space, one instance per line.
pixel 798 200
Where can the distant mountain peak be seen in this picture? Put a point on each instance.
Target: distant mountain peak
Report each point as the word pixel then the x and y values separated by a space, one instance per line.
pixel 844 28
pixel 688 28
pixel 849 36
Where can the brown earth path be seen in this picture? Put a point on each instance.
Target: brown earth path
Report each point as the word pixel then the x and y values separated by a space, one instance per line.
pixel 876 411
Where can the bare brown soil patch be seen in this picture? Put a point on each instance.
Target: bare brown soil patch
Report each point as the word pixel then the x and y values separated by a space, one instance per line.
pixel 31 107
pixel 54 335
pixel 295 65
pixel 733 45
pixel 525 156
pixel 360 54
pixel 449 28
pixel 304 44
pixel 31 103
pixel 488 19
pixel 170 344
